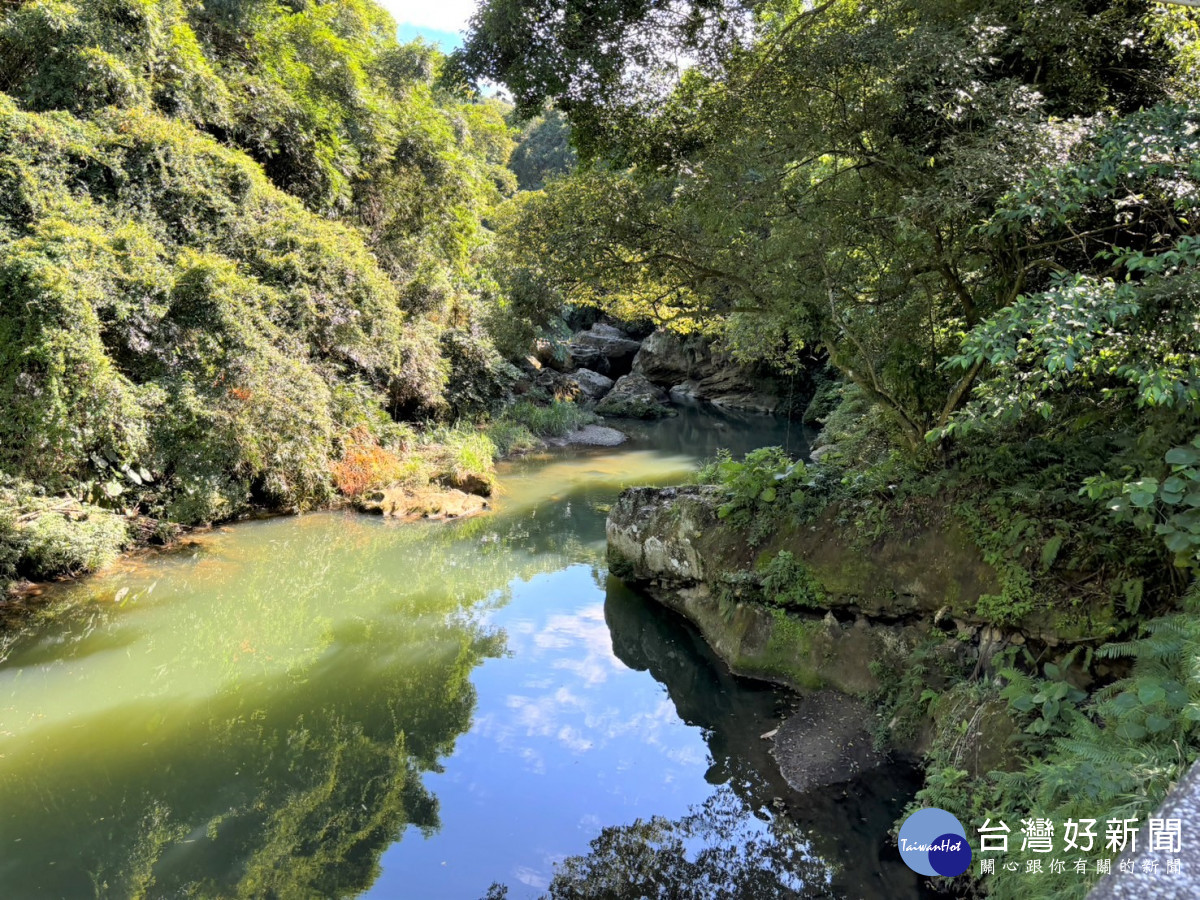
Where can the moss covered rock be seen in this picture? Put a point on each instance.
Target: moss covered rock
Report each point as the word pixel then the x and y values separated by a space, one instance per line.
pixel 633 397
pixel 676 537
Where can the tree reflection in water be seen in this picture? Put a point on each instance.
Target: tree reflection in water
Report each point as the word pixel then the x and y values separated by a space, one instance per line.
pixel 754 836
pixel 717 850
pixel 257 728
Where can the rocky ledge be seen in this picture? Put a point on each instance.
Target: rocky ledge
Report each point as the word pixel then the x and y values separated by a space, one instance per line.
pixel 674 537
pixel 854 601
pixel 426 503
pixel 869 608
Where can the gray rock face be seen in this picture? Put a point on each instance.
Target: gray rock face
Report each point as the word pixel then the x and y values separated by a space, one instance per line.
pixel 669 541
pixel 657 534
pixel 590 436
pixel 552 354
pixel 636 398
pixel 604 349
pixel 675 537
pixel 694 370
pixel 557 385
pixel 592 385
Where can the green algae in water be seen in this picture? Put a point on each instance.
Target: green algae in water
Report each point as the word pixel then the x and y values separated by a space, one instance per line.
pixel 335 705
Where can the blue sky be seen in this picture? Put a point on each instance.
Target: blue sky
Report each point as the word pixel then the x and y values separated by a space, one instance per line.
pixel 440 22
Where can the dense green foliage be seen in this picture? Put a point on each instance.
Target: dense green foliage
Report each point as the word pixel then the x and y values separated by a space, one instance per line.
pixel 984 217
pixel 231 236
pixel 543 151
pixel 758 490
pixel 830 185
pixel 242 243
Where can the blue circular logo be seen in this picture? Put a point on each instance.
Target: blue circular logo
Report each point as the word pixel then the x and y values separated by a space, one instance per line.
pixel 933 842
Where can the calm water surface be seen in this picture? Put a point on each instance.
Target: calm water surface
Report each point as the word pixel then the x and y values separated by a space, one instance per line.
pixel 336 705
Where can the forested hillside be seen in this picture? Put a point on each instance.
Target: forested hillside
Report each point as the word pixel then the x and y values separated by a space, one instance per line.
pixel 981 220
pixel 260 255
pixel 238 242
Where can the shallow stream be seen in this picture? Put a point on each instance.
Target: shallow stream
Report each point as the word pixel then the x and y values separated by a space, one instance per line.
pixel 335 705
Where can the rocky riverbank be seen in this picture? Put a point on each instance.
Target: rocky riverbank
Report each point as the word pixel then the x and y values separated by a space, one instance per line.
pixel 627 377
pixel 868 610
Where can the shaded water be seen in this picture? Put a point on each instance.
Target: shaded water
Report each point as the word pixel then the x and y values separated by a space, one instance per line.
pixel 335 705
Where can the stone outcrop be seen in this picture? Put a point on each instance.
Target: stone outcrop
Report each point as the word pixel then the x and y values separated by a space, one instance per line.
pixel 673 536
pixel 634 397
pixel 604 349
pixel 592 386
pixel 875 604
pixel 426 503
pixel 469 482
pixel 590 436
pixel 551 354
pixel 669 542
pixel 692 369
pixel 557 385
pixel 874 596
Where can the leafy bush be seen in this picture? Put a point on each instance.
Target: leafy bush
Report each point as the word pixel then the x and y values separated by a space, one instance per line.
pixel 55 544
pixel 10 547
pixel 203 343
pixel 758 489
pixel 787 582
pixel 470 455
pixel 512 437
pixel 177 295
pixel 365 465
pixel 480 379
pixel 46 537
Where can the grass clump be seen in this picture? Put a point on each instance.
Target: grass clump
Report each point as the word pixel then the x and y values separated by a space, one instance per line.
pixel 557 419
pixel 466 459
pixel 519 428
pixel 512 437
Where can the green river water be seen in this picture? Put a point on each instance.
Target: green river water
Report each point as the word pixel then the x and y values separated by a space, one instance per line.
pixel 335 705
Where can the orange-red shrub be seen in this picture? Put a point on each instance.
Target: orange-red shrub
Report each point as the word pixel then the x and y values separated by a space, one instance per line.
pixel 365 465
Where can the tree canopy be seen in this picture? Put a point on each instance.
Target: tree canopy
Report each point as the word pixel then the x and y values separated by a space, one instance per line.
pixel 833 184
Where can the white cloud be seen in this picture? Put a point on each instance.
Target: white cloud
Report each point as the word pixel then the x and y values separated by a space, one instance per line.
pixel 441 15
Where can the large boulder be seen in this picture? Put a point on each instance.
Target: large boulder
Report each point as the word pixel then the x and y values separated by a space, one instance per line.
pixel 401 502
pixel 552 354
pixel 557 386
pixel 826 741
pixel 667 358
pixel 694 369
pixel 592 385
pixel 604 349
pixel 634 397
pixel 590 436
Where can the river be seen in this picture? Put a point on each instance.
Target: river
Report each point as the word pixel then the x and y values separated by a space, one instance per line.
pixel 335 705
